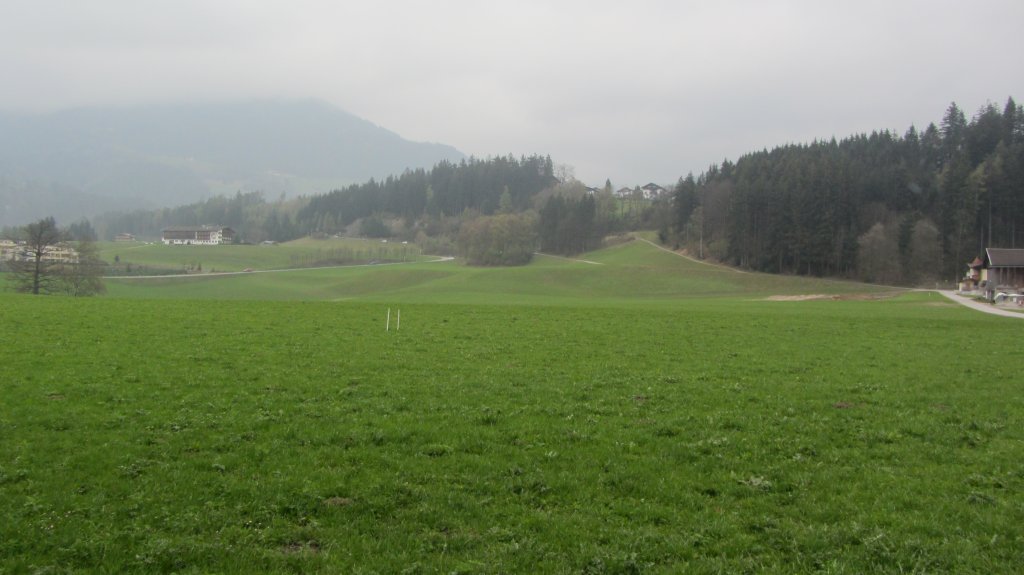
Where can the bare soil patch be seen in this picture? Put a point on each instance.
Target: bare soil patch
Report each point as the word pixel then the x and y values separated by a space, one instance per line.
pixel 338 501
pixel 311 547
pixel 804 297
pixel 835 297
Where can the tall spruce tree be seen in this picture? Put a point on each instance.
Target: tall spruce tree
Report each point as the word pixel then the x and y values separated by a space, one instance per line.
pixel 954 125
pixel 684 198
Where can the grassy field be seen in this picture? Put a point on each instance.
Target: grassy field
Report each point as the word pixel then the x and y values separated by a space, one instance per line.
pixel 158 258
pixel 505 431
pixel 630 274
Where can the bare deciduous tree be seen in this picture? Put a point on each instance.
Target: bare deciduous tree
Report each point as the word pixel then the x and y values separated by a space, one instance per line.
pixel 34 270
pixel 46 262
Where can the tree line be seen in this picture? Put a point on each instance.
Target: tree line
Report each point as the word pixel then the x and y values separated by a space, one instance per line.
pixel 250 214
pixel 877 207
pixel 421 199
pixel 482 186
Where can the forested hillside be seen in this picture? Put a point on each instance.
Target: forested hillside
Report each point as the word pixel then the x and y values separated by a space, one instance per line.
pixel 251 214
pixel 879 207
pixel 415 200
pixel 449 188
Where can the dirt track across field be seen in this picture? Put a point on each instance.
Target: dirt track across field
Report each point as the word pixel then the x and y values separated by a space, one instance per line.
pixel 694 260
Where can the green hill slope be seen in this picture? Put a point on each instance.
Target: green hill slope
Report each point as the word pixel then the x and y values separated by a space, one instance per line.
pixel 635 272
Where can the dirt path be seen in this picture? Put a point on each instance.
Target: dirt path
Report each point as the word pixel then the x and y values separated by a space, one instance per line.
pixel 568 259
pixel 686 257
pixel 987 308
pixel 278 271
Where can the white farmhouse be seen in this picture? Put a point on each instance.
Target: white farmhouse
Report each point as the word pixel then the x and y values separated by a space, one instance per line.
pixel 198 236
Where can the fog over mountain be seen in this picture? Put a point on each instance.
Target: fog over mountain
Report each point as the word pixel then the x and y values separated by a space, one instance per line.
pixel 81 162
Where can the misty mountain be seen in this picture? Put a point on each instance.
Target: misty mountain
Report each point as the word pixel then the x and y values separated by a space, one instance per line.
pixel 82 162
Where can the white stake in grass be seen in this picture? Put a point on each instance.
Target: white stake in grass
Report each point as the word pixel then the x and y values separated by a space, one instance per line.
pixel 387 324
pixel 398 324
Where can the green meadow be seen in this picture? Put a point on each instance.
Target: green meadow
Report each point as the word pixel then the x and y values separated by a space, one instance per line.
pixel 635 412
pixel 307 252
pixel 630 274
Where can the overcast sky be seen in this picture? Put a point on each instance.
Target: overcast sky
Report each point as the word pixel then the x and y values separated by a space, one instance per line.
pixel 635 91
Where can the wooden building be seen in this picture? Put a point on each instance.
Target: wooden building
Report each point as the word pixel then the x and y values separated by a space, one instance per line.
pixel 1003 270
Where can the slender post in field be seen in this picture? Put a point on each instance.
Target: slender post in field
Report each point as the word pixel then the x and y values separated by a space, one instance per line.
pixel 387 324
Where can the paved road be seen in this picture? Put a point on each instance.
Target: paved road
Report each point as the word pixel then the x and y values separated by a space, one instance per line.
pixel 980 306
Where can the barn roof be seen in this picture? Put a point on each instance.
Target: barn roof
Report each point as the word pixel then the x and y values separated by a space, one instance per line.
pixel 1004 258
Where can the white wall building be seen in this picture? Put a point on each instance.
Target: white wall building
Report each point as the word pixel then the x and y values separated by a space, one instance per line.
pixel 197 236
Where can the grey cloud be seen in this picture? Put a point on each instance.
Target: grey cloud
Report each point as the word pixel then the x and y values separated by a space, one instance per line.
pixel 638 91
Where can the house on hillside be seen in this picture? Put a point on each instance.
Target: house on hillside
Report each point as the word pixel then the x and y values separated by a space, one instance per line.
pixel 653 191
pixel 1002 271
pixel 197 236
pixel 8 249
pixel 62 253
pixel 125 237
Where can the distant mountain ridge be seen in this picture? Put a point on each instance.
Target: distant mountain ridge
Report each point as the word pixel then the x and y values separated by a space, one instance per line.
pixel 85 161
